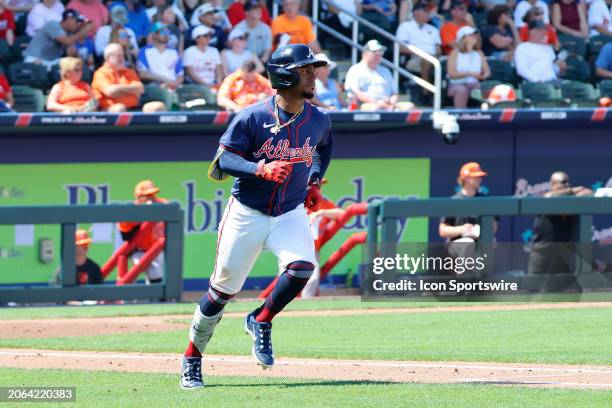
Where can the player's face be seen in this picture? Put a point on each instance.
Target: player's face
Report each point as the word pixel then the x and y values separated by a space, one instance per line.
pixel 307 81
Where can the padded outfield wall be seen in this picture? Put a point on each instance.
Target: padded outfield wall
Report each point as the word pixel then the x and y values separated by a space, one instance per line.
pixel 63 159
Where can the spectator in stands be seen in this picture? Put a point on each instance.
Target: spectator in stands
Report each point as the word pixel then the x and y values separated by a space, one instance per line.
pixel 118 88
pixel 86 50
pixel 553 246
pixel 500 37
pixel 569 17
pixel 88 271
pixel 535 59
pixel 260 35
pixel 382 13
pixel 205 15
pixel 290 27
pixel 20 7
pixel 328 92
pixel 371 84
pixel 603 64
pixel 524 6
pixel 202 62
pixel 462 232
pixel 600 17
pixel 138 20
pixel 536 13
pixel 50 42
pixel 237 12
pixel 187 7
pixel 6 94
pixel 491 4
pixel 71 94
pixel 467 66
pixel 166 15
pixel 92 10
pixel 146 193
pixel 176 39
pixel 158 63
pixel 233 57
pixel 7 24
pixel 448 33
pixel 423 36
pixel 42 13
pixel 158 5
pixel 117 32
pixel 243 88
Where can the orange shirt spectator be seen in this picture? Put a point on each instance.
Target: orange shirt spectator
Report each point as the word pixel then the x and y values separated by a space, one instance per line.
pixel 243 88
pixel 235 12
pixel 71 94
pixel 448 35
pixel 107 75
pixel 297 27
pixel 551 35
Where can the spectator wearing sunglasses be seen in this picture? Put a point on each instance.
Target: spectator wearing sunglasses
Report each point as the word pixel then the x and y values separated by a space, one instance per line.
pixel 233 57
pixel 202 61
pixel 71 94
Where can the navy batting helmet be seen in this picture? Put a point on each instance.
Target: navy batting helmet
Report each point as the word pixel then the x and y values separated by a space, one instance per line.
pixel 283 62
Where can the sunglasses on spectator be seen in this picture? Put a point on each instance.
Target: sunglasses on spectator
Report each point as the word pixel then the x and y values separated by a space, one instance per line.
pixel 242 37
pixel 205 35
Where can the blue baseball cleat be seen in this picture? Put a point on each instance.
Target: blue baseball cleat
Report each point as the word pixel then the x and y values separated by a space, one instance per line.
pixel 191 373
pixel 262 340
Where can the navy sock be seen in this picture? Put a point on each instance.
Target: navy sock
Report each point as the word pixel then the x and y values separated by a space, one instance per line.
pixel 213 302
pixel 290 283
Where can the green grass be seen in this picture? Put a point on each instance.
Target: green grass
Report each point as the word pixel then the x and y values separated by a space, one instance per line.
pixel 114 389
pixel 569 336
pixel 187 308
pixel 53 312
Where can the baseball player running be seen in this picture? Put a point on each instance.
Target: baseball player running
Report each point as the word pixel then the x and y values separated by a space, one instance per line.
pixel 278 150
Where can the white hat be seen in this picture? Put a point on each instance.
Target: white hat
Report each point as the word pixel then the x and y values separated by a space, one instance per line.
pixel 323 57
pixel 200 30
pixel 236 32
pixel 374 46
pixel 465 31
pixel 203 9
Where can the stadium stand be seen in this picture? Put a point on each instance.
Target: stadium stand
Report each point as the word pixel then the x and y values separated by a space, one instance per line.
pixel 578 84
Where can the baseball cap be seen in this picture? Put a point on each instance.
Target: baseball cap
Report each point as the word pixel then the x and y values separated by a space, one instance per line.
pixel 81 238
pixel 251 4
pixel 200 30
pixel 323 57
pixel 374 46
pixel 457 3
pixel 420 6
pixel 236 33
pixel 159 27
pixel 465 31
pixel 119 14
pixel 536 25
pixel 145 188
pixel 471 169
pixel 205 9
pixel 70 13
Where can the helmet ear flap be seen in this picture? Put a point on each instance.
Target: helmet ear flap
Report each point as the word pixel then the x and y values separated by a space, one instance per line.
pixel 282 78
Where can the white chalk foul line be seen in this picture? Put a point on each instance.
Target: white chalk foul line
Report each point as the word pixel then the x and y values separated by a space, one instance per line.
pixel 503 381
pixel 313 362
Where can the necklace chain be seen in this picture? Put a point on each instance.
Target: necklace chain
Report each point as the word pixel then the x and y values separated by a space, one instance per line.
pixel 278 126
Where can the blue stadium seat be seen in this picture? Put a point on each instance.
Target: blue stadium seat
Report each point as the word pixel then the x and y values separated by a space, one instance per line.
pixel 579 94
pixel 33 75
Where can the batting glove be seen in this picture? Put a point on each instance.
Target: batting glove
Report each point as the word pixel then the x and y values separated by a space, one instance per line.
pixel 276 171
pixel 313 197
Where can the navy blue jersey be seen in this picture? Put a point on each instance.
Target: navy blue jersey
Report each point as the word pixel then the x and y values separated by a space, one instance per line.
pixel 249 135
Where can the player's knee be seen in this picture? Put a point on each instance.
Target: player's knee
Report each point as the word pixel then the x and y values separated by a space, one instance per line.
pixel 300 269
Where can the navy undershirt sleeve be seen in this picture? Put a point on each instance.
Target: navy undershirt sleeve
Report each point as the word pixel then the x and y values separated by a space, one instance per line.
pixel 237 166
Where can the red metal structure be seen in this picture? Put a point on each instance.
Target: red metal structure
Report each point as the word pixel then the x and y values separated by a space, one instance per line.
pixel 120 258
pixel 328 233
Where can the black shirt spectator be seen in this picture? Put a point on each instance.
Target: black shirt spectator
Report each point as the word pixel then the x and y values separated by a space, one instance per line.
pixel 89 273
pixel 499 35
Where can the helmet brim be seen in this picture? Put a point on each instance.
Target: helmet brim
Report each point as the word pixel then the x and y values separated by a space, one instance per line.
pixel 310 61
